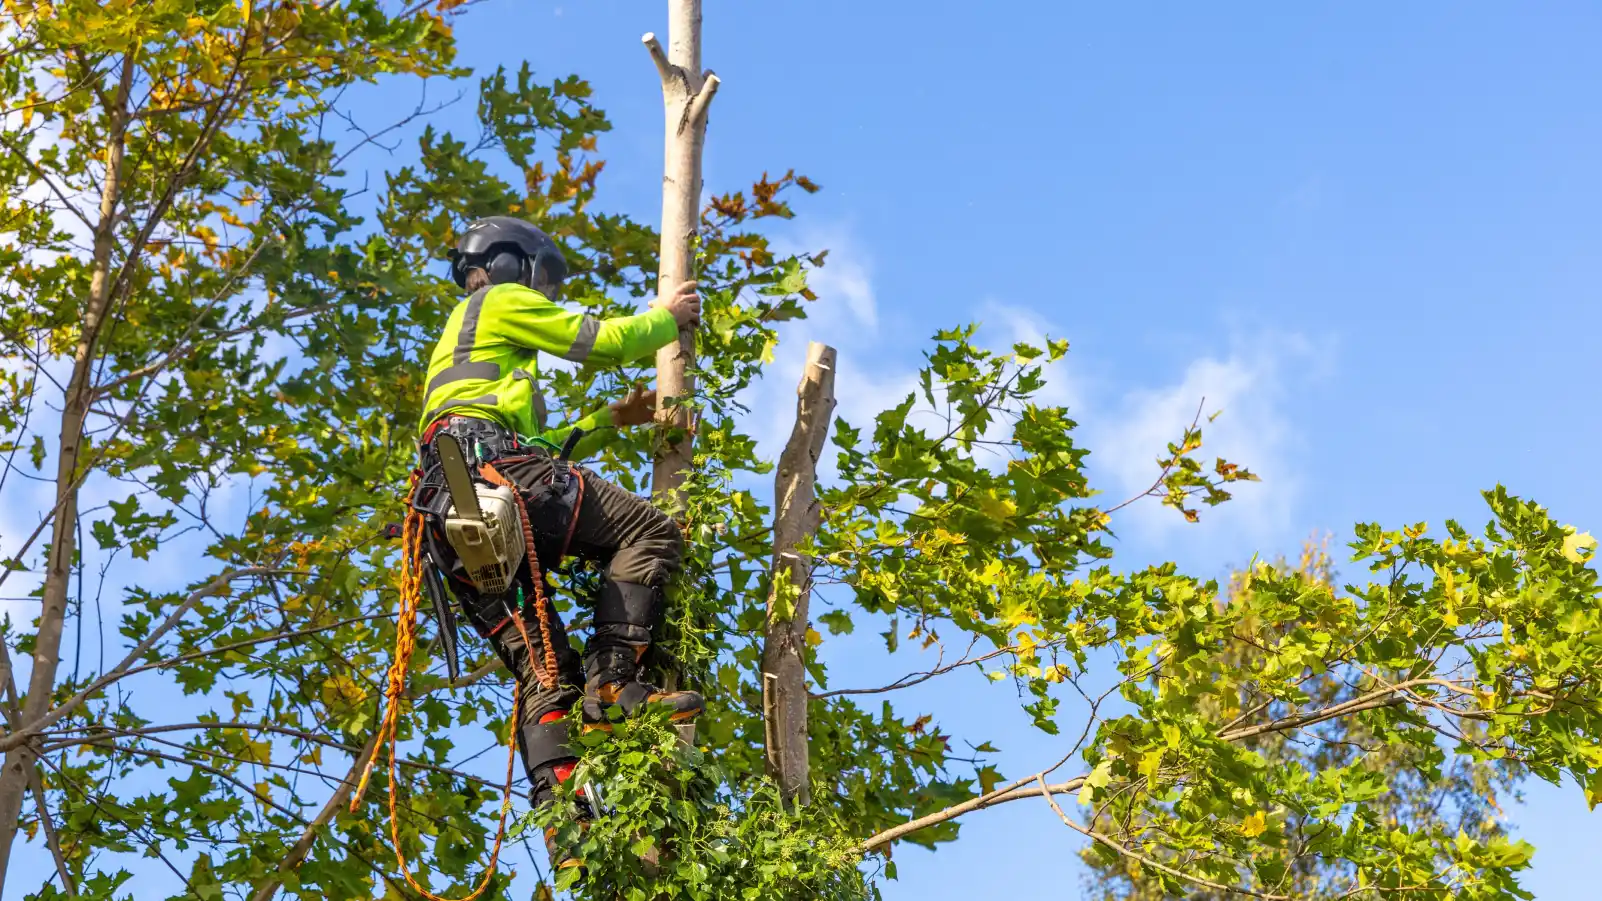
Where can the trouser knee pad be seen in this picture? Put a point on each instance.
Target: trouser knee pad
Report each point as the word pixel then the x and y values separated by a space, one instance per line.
pixel 625 613
pixel 547 755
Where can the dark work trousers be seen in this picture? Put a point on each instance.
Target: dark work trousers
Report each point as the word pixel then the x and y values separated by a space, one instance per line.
pixel 619 529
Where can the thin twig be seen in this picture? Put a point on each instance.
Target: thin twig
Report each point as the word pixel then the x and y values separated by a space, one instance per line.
pixel 19 736
pixel 1147 861
pixel 912 679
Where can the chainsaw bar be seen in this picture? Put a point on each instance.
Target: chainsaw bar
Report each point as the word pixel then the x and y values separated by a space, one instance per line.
pixel 458 481
pixel 444 619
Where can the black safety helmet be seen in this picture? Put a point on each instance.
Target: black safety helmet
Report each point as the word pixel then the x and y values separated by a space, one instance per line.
pixel 508 250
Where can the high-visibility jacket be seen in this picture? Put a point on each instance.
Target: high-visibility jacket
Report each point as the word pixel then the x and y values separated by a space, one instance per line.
pixel 485 365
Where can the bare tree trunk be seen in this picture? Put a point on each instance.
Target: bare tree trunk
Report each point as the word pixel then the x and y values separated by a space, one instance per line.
pixel 14 777
pixel 686 93
pixel 795 519
pixel 13 714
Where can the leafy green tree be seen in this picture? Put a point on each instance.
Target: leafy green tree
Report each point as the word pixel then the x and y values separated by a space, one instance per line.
pixel 162 163
pixel 1422 786
pixel 280 360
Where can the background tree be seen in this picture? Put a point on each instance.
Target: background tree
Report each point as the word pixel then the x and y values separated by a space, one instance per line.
pixel 157 157
pixel 1422 786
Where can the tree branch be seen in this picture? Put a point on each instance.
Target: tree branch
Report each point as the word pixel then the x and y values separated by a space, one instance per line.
pixel 19 736
pixel 13 713
pixel 308 836
pixel 696 112
pixel 1147 861
pixel 48 825
pixel 665 69
pixel 50 183
pixel 912 679
pixel 1167 468
pixel 1014 792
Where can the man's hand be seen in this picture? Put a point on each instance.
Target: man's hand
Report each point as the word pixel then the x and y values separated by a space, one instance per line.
pixel 685 305
pixel 636 409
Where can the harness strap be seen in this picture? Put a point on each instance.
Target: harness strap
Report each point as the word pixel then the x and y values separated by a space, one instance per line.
pixel 546 671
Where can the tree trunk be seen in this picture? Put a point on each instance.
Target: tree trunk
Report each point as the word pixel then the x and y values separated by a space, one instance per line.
pixel 686 93
pixel 19 762
pixel 795 519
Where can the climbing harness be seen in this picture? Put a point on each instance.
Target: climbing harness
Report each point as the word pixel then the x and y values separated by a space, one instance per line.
pixel 487 520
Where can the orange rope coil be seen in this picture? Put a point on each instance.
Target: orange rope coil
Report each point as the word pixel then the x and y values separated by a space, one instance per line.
pixel 545 671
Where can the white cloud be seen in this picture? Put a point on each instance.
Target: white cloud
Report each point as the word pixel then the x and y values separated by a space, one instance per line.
pixel 846 317
pixel 1248 389
pixel 847 275
pixel 862 390
pixel 1020 325
pixel 1126 428
pixel 845 279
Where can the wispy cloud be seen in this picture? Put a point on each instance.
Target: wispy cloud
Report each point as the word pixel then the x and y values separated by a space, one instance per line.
pixel 847 306
pixel 1247 387
pixel 846 317
pixel 1250 382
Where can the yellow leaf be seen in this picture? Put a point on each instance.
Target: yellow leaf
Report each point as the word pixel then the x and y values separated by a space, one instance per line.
pixel 258 751
pixel 1255 825
pixel 996 507
pixel 1577 547
pixel 1026 646
pixel 1016 613
pixel 341 693
pixel 813 638
pixel 1150 763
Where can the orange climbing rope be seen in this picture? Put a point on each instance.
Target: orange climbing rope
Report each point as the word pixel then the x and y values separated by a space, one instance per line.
pixel 546 673
pixel 411 593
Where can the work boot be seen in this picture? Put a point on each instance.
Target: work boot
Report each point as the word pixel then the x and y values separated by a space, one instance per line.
pixel 624 615
pixel 561 856
pixel 614 683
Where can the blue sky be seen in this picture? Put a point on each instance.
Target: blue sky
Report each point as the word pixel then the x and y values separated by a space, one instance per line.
pixel 1368 234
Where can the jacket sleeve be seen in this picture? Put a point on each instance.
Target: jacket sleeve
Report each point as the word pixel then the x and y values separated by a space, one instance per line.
pixel 524 317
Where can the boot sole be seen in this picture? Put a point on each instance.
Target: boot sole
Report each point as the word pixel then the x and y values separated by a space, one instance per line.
pixel 674 718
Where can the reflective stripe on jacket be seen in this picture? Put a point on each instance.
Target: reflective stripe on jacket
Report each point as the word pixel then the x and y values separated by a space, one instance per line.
pixel 485 365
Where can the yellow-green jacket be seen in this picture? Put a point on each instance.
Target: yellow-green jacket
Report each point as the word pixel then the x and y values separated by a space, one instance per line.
pixel 485 365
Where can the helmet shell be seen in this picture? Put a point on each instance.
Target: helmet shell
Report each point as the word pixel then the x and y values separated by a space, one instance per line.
pixel 499 234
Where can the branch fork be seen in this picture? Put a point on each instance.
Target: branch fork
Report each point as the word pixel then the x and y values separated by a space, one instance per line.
pixel 677 82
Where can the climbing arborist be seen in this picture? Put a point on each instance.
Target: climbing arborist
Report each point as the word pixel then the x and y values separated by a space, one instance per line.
pixel 482 390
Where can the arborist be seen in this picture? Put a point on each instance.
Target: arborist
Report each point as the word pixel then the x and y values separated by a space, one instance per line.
pixel 482 393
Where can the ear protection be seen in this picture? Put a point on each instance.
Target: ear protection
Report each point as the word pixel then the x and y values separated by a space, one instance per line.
pixel 508 266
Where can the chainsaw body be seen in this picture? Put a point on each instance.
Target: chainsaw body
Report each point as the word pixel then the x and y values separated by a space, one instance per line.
pixel 490 545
